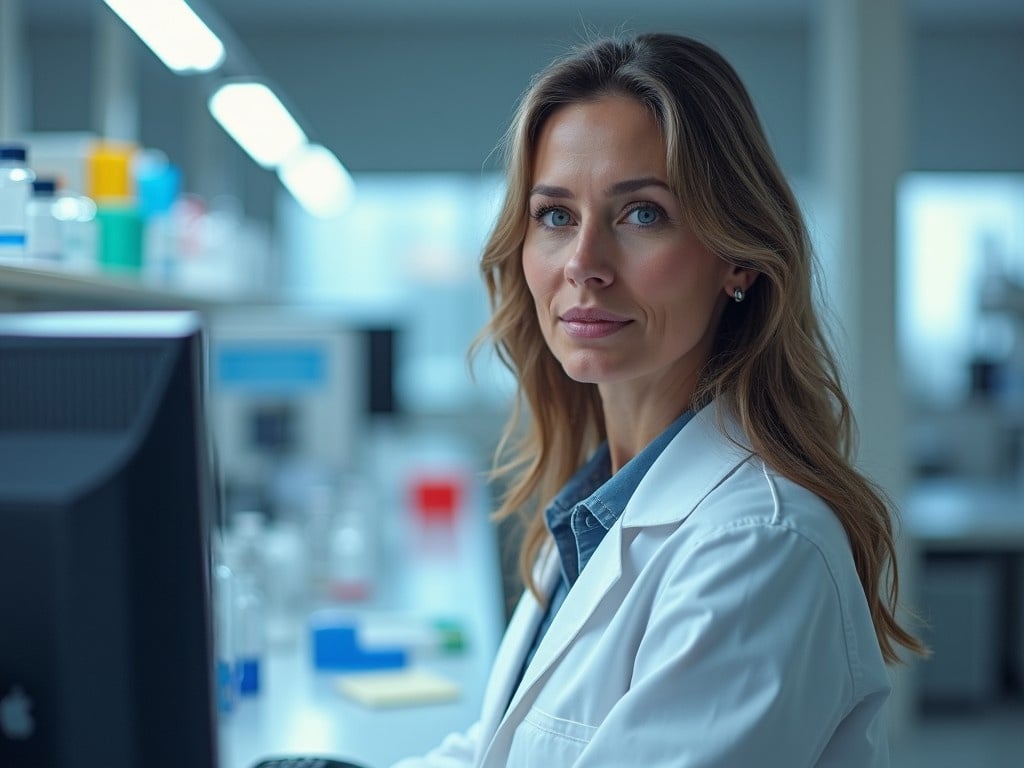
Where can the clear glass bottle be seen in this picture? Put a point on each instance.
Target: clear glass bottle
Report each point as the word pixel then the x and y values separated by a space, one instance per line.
pixel 351 569
pixel 15 193
pixel 76 218
pixel 224 638
pixel 319 523
pixel 250 635
pixel 42 227
pixel 250 614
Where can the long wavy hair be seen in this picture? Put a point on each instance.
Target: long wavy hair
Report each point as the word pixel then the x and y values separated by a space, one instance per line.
pixel 771 364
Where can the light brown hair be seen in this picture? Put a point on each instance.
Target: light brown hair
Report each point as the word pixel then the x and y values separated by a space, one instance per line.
pixel 771 363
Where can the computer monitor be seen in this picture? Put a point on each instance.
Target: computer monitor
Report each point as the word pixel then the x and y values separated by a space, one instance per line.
pixel 105 503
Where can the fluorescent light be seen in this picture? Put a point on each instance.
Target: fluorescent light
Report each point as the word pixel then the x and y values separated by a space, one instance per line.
pixel 173 31
pixel 255 118
pixel 318 181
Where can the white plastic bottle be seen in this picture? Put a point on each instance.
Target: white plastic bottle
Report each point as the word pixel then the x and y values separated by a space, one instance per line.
pixel 15 192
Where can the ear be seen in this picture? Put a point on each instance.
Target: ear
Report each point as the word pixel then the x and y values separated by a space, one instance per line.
pixel 739 278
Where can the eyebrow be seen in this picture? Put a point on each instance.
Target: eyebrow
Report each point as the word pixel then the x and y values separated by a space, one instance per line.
pixel 618 188
pixel 632 185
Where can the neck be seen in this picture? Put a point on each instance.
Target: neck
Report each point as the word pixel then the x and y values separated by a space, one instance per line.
pixel 632 429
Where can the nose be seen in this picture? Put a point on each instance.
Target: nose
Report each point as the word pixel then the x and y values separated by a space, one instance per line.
pixel 589 264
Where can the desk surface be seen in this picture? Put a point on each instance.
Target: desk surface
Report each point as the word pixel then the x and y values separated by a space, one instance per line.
pixel 442 571
pixel 958 514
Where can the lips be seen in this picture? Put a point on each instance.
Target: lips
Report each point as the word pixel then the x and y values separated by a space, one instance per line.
pixel 592 323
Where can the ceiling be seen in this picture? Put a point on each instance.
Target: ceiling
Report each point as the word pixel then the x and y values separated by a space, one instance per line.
pixel 339 13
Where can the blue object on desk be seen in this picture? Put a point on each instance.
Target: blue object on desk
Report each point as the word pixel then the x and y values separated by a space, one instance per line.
pixel 335 647
pixel 248 676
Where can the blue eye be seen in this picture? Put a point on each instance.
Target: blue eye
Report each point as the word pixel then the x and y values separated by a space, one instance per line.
pixel 553 217
pixel 644 215
pixel 558 218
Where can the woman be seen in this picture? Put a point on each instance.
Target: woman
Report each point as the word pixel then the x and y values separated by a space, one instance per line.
pixel 711 583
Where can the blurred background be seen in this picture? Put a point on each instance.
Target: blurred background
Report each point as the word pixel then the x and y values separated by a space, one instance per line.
pixel 334 258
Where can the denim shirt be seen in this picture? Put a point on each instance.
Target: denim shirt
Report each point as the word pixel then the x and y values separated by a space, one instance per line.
pixel 587 507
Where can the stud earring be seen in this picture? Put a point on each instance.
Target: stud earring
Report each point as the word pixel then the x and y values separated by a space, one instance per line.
pixel 738 295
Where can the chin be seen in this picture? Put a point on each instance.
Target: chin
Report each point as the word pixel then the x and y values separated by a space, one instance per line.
pixel 585 379
pixel 588 373
pixel 596 366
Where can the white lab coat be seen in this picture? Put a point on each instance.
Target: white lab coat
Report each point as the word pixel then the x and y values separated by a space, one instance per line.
pixel 719 623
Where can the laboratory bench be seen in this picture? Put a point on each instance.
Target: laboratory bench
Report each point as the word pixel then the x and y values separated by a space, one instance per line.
pixel 966 543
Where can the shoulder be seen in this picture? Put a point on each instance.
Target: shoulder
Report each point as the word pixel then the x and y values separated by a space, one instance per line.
pixel 768 518
pixel 709 477
pixel 755 497
pixel 761 538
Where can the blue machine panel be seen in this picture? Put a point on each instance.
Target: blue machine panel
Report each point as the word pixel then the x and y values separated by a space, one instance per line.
pixel 278 369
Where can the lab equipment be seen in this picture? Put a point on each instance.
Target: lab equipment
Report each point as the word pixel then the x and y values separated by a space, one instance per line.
pixel 422 635
pixel 76 215
pixel 105 500
pixel 250 604
pixel 158 186
pixel 337 646
pixel 304 762
pixel 15 192
pixel 42 228
pixel 120 223
pixel 287 391
pixel 250 635
pixel 318 522
pixel 347 640
pixel 224 638
pixel 351 556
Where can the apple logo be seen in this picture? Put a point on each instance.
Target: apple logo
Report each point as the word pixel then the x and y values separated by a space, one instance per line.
pixel 15 718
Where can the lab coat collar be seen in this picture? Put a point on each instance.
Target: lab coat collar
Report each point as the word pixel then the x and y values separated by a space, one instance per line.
pixel 699 458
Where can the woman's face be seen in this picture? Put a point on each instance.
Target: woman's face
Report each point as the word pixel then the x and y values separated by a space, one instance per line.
pixel 626 296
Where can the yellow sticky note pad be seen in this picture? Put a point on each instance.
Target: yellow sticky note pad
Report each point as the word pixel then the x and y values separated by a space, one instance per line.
pixel 397 688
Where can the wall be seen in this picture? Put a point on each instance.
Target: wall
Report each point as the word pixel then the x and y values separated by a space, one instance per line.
pixel 967 86
pixel 407 100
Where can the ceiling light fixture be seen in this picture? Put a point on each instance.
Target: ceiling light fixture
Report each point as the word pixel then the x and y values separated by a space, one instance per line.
pixel 255 118
pixel 318 180
pixel 174 32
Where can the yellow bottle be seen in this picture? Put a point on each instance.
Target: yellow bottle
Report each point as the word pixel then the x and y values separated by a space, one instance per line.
pixel 109 183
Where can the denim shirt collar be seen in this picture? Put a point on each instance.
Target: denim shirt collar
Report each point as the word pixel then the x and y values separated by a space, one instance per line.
pixel 595 490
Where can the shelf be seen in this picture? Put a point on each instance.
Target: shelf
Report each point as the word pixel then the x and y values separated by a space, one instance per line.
pixel 50 288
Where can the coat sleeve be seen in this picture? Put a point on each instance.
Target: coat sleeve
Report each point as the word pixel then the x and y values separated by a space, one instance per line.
pixel 746 660
pixel 456 751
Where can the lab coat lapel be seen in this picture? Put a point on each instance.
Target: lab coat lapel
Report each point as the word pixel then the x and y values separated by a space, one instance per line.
pixel 600 575
pixel 518 638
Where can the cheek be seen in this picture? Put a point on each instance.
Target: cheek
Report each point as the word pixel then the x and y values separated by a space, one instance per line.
pixel 683 296
pixel 538 277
